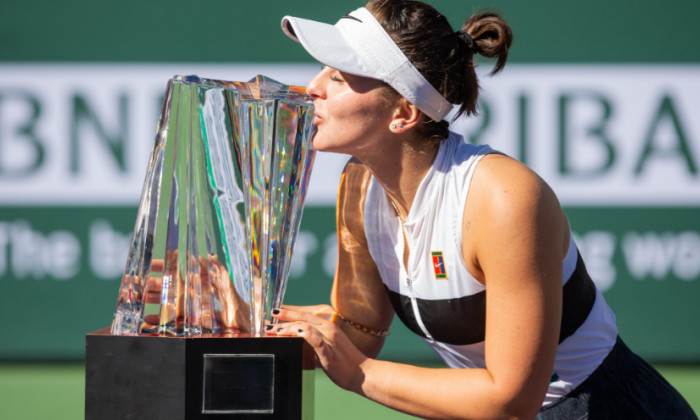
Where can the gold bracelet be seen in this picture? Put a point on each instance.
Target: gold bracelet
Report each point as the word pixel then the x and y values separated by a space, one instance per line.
pixel 363 328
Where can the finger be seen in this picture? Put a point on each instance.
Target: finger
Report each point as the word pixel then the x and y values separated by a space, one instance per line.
pixel 271 329
pixel 285 314
pixel 286 329
pixel 309 333
pixel 313 336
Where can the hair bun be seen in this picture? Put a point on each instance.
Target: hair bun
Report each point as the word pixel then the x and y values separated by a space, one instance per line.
pixel 492 37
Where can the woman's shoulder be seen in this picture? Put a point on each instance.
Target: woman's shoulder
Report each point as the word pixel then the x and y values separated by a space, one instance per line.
pixel 460 152
pixel 508 204
pixel 504 189
pixel 352 195
pixel 354 180
pixel 498 170
pixel 355 170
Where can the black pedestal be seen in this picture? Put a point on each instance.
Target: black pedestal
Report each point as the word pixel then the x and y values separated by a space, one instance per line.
pixel 181 378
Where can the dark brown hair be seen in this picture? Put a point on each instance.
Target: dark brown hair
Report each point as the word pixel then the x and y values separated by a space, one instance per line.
pixel 444 57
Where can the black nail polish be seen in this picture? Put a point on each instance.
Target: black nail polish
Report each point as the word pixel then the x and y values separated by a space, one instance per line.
pixel 300 330
pixel 279 329
pixel 275 311
pixel 269 327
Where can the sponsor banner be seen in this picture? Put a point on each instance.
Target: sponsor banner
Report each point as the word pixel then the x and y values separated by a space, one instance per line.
pixel 618 143
pixel 599 134
pixel 82 134
pixel 93 243
pixel 60 274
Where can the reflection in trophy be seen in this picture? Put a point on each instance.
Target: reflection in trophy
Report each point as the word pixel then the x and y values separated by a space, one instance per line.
pixel 220 209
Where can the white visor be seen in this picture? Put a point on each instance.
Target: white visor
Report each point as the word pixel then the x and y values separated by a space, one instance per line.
pixel 358 45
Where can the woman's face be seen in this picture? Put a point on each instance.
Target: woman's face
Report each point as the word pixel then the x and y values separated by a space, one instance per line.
pixel 351 115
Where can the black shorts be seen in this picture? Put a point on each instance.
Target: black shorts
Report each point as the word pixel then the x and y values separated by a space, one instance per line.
pixel 623 387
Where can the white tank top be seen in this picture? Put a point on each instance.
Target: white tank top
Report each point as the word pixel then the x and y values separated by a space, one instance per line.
pixel 437 297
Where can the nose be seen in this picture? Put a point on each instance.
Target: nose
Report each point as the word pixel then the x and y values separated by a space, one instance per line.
pixel 315 86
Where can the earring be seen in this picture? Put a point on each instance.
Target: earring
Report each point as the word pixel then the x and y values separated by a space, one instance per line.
pixel 393 126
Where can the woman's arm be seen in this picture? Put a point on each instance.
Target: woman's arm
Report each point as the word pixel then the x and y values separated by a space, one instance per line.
pixel 358 294
pixel 360 310
pixel 515 239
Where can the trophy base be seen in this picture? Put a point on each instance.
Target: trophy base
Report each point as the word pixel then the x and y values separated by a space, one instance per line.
pixel 187 378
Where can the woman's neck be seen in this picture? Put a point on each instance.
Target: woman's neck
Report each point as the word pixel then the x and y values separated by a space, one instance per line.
pixel 401 170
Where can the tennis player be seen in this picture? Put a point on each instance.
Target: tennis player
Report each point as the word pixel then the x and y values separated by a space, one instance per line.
pixel 469 247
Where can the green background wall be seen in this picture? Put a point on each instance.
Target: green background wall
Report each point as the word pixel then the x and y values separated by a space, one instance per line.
pixel 47 305
pixel 226 31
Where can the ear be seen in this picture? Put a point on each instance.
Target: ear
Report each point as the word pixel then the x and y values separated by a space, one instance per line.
pixel 405 116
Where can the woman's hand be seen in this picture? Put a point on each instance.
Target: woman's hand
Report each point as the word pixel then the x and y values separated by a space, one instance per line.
pixel 337 355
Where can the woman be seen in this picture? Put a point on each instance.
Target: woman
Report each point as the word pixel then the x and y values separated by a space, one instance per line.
pixel 428 224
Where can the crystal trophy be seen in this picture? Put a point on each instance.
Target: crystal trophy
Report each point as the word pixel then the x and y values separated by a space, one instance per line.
pixel 208 261
pixel 220 209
